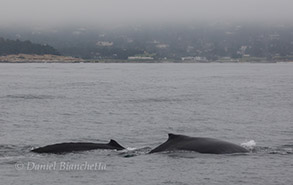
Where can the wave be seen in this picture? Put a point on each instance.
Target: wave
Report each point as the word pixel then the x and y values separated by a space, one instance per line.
pixel 279 150
pixel 7 150
pixel 29 96
pixel 285 149
pixel 155 100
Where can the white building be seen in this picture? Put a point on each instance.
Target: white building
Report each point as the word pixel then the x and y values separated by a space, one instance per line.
pixel 104 43
pixel 140 58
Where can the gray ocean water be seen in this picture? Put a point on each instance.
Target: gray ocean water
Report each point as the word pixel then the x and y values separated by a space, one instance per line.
pixel 138 105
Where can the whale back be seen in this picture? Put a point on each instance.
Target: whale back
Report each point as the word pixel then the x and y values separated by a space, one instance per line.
pixel 170 143
pixel 172 137
pixel 198 144
pixel 115 144
pixel 61 148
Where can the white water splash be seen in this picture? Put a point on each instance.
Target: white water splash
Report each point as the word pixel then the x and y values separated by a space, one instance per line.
pixel 250 145
pixel 130 149
pixel 127 150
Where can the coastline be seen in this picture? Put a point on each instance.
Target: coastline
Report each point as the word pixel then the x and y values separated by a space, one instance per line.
pixel 27 58
pixel 31 58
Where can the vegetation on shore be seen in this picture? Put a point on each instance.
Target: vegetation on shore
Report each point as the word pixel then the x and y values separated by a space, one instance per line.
pixel 47 58
pixel 11 47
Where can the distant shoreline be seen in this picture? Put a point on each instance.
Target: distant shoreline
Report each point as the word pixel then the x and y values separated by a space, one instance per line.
pixel 135 62
pixel 32 58
pixel 26 58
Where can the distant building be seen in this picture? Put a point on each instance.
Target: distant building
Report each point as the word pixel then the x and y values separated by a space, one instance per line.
pixel 197 58
pixel 274 36
pixel 242 50
pixel 140 58
pixel 104 43
pixel 162 46
pixel 155 42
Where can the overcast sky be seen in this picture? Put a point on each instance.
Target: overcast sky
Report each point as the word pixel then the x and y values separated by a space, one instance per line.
pixel 120 11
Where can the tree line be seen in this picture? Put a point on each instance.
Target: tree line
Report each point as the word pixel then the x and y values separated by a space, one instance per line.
pixel 9 47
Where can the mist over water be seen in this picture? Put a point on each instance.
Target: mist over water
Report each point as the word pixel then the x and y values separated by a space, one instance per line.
pixel 112 12
pixel 166 29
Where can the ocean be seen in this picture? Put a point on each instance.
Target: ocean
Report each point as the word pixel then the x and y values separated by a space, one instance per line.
pixel 138 105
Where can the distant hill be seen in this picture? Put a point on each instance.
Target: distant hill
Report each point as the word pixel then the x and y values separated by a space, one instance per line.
pixel 8 47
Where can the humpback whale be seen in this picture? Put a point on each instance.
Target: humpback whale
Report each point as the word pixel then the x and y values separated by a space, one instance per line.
pixel 198 144
pixel 61 148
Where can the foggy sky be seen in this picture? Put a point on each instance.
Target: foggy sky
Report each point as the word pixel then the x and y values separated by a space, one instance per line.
pixel 140 11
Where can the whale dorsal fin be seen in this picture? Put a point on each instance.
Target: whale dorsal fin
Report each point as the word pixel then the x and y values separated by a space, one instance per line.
pixel 115 144
pixel 172 136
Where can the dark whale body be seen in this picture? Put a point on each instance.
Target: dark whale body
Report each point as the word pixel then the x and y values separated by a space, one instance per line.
pixel 198 144
pixel 61 148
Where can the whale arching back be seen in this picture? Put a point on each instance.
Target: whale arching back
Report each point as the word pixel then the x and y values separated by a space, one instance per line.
pixel 61 148
pixel 198 144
